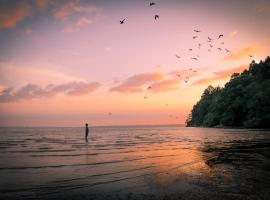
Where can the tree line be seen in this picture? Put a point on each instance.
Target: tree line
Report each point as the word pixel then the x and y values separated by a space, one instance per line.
pixel 244 101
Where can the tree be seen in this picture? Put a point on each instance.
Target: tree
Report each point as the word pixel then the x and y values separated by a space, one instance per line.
pixel 244 101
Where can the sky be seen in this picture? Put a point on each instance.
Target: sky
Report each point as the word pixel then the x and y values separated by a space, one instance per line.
pixel 64 63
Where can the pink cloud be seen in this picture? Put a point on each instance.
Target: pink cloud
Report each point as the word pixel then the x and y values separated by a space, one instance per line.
pixel 72 7
pixel 134 84
pixel 83 21
pixel 31 91
pixel 165 85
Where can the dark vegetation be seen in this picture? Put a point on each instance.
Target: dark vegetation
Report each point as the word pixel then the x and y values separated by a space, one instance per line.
pixel 243 102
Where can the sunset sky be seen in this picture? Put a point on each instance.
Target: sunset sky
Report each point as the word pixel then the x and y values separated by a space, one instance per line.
pixel 64 63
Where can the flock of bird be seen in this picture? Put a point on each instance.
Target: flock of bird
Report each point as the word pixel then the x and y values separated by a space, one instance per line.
pixel 209 44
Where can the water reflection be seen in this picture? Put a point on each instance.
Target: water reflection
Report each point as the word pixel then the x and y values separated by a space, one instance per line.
pixel 57 162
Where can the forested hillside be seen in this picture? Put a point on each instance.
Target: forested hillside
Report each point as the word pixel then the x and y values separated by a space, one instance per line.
pixel 243 102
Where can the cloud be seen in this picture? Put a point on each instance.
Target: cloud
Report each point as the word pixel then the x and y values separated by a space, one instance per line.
pixel 10 14
pixel 41 4
pixel 221 75
pixel 32 91
pixel 72 7
pixel 238 55
pixel 165 85
pixel 83 21
pixel 134 84
pixel 27 31
pixel 233 33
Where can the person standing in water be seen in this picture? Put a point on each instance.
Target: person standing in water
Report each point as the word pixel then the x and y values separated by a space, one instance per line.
pixel 86 131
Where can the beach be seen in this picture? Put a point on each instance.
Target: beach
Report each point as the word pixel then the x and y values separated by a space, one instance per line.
pixel 134 162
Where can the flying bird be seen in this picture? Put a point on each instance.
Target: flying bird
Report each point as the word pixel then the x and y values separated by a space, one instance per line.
pixel 177 56
pixel 186 79
pixel 190 49
pixel 222 43
pixel 149 88
pixel 197 31
pixel 122 21
pixel 109 113
pixel 194 37
pixel 209 49
pixel 152 3
pixel 145 97
pixel 156 17
pixel 210 39
pixel 219 49
pixel 194 71
pixel 194 58
pixel 250 56
pixel 199 45
pixel 178 75
pixel 227 50
pixel 211 45
pixel 220 36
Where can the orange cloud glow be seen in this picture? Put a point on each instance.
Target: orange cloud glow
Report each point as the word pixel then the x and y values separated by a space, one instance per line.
pixel 241 54
pixel 10 16
pixel 42 4
pixel 221 75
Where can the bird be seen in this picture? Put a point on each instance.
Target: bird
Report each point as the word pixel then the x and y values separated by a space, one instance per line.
pixel 152 3
pixel 156 17
pixel 209 49
pixel 186 79
pixel 211 45
pixel 190 49
pixel 122 21
pixel 222 43
pixel 210 39
pixel 194 70
pixel 198 56
pixel 227 50
pixel 250 56
pixel 194 37
pixel 109 113
pixel 194 58
pixel 199 45
pixel 190 69
pixel 145 97
pixel 197 31
pixel 178 75
pixel 220 36
pixel 177 56
pixel 149 88
pixel 219 49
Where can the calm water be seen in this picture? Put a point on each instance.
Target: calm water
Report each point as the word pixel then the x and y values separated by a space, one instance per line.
pixel 51 163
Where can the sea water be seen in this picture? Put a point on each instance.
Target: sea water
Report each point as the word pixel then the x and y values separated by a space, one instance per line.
pixel 47 163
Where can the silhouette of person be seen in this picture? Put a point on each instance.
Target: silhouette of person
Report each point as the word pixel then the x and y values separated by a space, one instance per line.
pixel 86 131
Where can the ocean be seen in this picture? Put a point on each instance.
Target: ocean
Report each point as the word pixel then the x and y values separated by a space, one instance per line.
pixel 134 162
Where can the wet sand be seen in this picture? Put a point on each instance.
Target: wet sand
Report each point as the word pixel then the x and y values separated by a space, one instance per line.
pixel 168 162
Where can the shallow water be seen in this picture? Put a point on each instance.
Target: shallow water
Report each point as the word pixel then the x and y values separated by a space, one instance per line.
pixel 133 161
